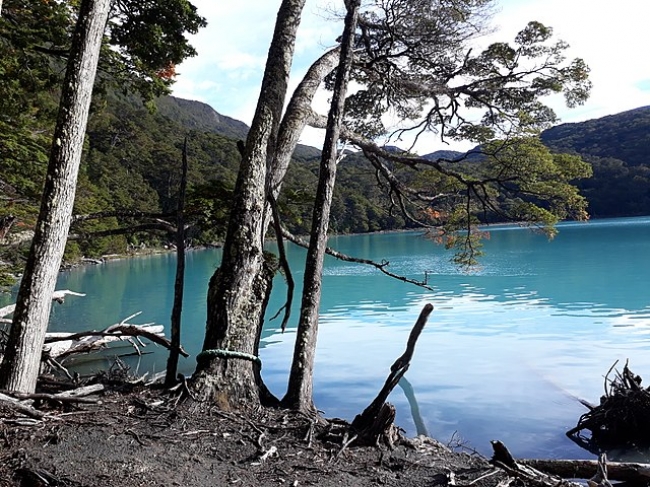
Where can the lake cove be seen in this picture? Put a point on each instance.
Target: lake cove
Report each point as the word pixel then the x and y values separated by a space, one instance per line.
pixel 508 347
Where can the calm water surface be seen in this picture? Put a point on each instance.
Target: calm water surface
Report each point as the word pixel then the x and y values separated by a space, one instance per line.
pixel 506 350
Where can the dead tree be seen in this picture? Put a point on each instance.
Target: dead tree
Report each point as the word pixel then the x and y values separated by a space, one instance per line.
pixel 172 362
pixel 375 423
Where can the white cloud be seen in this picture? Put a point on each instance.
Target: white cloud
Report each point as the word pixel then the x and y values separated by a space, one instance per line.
pixel 610 36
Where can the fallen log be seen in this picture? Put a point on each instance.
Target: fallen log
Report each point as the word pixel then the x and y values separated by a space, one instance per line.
pixel 502 459
pixel 43 396
pixel 82 391
pixel 584 469
pixel 16 405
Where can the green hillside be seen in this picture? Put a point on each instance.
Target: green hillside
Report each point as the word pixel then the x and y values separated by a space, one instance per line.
pixel 624 136
pixel 618 148
pixel 132 157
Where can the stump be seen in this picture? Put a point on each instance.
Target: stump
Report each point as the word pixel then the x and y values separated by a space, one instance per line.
pixel 621 420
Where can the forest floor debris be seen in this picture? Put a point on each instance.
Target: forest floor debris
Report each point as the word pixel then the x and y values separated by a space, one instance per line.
pixel 146 437
pixel 116 430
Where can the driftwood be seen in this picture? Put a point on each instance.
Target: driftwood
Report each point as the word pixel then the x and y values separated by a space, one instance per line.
pixel 43 396
pixel 59 346
pixel 16 405
pixel 621 419
pixel 58 296
pixel 21 402
pixel 376 421
pixel 552 473
pixel 62 345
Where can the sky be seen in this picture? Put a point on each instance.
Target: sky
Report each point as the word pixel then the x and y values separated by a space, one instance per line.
pixel 613 37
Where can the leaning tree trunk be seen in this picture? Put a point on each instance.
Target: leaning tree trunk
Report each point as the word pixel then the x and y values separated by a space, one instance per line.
pixel 228 370
pixel 299 393
pixel 20 367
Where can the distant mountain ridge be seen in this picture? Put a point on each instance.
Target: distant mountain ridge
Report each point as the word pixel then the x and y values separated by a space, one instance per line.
pixel 624 136
pixel 617 146
pixel 627 134
pixel 196 115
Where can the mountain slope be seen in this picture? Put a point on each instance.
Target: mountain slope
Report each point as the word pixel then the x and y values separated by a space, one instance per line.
pixel 196 115
pixel 624 136
pixel 618 148
pixel 199 116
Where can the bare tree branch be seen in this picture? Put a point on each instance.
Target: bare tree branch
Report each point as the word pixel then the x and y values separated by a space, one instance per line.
pixel 284 263
pixel 380 266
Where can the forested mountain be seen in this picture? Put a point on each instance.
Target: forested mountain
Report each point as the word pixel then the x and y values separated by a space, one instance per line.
pixel 132 162
pixel 618 148
pixel 195 115
pixel 624 136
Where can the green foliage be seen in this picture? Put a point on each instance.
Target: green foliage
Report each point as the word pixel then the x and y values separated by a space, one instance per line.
pixel 143 43
pixel 414 62
pixel 148 40
pixel 519 180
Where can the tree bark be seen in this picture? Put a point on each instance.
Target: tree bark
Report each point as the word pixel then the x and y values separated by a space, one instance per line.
pixel 20 367
pixel 238 291
pixel 297 116
pixel 299 393
pixel 175 333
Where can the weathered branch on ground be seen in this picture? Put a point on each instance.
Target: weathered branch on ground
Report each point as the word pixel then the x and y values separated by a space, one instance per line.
pixel 503 460
pixel 42 396
pixel 584 469
pixel 61 345
pixel 341 256
pixel 58 296
pixel 21 402
pixel 82 391
pixel 376 421
pixel 16 405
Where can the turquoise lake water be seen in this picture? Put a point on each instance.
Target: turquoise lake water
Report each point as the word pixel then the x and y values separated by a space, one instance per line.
pixel 506 351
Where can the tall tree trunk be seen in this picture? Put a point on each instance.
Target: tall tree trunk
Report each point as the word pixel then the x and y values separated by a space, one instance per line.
pixel 19 370
pixel 299 393
pixel 294 121
pixel 177 308
pixel 228 370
